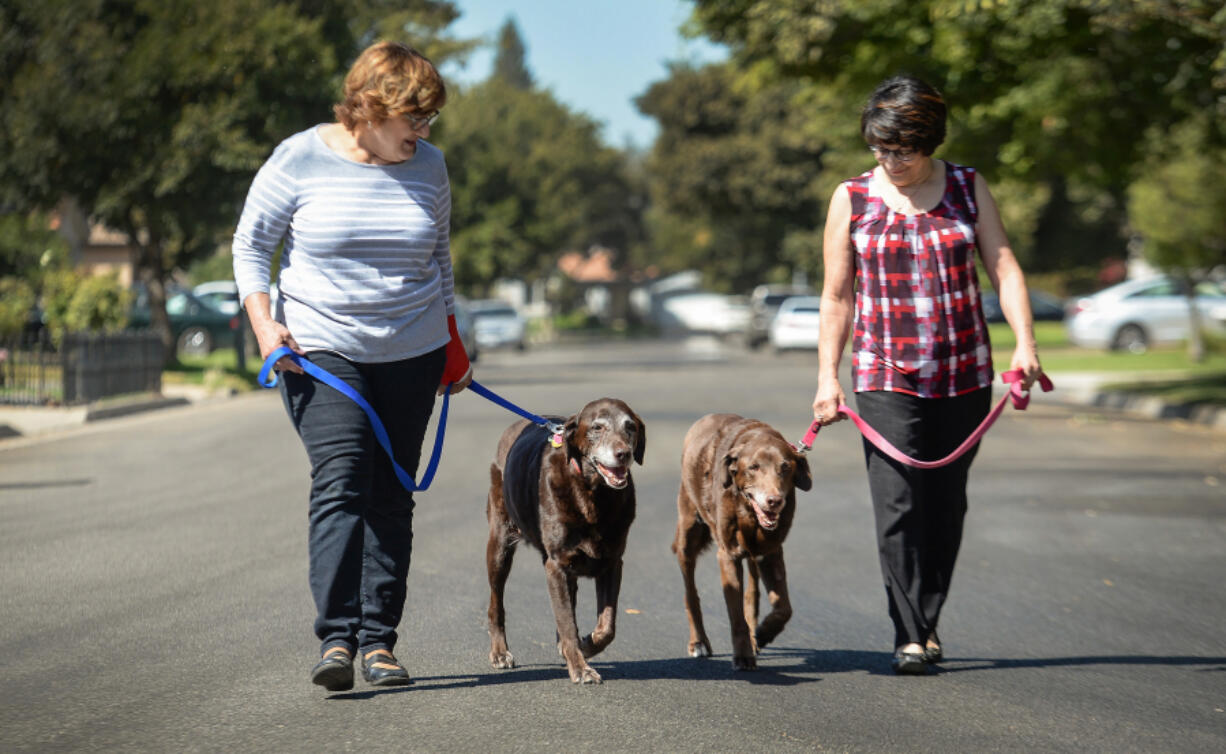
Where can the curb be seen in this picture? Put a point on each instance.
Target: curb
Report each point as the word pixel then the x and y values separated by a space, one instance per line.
pixel 1150 407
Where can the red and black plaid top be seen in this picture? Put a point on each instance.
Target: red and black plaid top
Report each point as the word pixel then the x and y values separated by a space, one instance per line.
pixel 919 326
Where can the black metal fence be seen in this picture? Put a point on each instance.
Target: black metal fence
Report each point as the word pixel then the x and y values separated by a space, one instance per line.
pixel 82 368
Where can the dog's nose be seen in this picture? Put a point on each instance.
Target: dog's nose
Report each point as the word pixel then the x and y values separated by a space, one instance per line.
pixel 622 455
pixel 774 502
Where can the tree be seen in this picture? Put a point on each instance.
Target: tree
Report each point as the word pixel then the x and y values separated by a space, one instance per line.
pixel 1046 95
pixel 155 116
pixel 732 177
pixel 529 180
pixel 1178 208
pixel 510 60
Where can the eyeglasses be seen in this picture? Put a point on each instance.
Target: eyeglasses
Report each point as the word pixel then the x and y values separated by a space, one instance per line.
pixel 420 121
pixel 902 155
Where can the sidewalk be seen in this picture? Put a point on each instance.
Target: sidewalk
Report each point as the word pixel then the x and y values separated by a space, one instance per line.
pixel 1074 388
pixel 31 421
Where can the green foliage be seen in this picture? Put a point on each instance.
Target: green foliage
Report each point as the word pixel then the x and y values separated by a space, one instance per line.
pixel 529 180
pixel 155 116
pixel 28 245
pixel 510 61
pixel 732 177
pixel 73 302
pixel 1178 205
pixel 16 300
pixel 1048 97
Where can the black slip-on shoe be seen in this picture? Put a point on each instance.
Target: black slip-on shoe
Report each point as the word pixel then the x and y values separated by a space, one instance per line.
pixel 382 669
pixel 334 672
pixel 932 651
pixel 909 663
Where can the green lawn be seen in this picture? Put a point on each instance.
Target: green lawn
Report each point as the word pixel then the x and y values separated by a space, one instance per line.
pixel 1165 372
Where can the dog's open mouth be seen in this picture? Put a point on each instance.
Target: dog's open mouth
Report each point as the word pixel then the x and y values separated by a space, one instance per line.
pixel 766 519
pixel 614 476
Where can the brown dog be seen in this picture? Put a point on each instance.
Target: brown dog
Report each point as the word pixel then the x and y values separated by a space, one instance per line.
pixel 738 485
pixel 572 498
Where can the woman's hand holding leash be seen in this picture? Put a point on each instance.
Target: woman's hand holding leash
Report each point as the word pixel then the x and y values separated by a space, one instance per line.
pixel 827 401
pixel 271 335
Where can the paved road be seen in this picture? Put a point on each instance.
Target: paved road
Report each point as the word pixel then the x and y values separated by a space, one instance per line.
pixel 153 589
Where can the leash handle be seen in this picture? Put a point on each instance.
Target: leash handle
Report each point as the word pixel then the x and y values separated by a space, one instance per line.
pixel 1019 397
pixel 331 380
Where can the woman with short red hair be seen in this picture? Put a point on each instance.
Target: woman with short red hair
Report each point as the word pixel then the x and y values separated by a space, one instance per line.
pixel 362 210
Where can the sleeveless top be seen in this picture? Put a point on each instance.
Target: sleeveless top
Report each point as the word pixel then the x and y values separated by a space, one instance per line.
pixel 919 326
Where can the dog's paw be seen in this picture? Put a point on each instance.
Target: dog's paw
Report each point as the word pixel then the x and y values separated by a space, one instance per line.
pixel 584 675
pixel 502 660
pixel 745 663
pixel 700 649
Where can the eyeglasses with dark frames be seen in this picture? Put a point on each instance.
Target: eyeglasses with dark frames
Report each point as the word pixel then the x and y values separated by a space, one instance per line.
pixel 902 154
pixel 419 121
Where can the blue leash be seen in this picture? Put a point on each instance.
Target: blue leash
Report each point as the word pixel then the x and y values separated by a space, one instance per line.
pixel 268 378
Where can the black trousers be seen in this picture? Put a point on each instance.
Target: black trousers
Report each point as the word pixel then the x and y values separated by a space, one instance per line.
pixel 361 518
pixel 919 512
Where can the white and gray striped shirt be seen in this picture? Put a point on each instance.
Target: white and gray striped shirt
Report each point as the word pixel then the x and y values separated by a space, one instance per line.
pixel 366 268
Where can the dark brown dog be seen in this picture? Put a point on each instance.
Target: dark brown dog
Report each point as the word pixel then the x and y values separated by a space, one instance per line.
pixel 572 498
pixel 738 485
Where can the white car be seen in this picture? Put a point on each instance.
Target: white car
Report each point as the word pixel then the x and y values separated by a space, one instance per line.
pixel 796 324
pixel 1137 314
pixel 704 312
pixel 496 323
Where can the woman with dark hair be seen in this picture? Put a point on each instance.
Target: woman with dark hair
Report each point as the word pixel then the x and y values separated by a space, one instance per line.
pixel 899 247
pixel 363 207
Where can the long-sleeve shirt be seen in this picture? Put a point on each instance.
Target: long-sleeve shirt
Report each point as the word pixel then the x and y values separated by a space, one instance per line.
pixel 366 265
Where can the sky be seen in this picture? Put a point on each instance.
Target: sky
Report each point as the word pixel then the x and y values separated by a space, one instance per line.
pixel 595 56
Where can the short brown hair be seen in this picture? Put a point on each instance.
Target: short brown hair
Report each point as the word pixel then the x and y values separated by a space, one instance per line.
pixel 905 111
pixel 390 79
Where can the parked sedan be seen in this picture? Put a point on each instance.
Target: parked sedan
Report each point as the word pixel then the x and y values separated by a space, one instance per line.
pixel 1043 306
pixel 796 323
pixel 197 327
pixel 1137 314
pixel 496 324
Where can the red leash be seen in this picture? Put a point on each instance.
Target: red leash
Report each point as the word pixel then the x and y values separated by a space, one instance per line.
pixel 1020 398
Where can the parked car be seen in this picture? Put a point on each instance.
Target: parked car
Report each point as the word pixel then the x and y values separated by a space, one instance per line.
pixel 764 303
pixel 497 324
pixel 197 327
pixel 796 323
pixel 1137 314
pixel 1044 306
pixel 704 312
pixel 222 295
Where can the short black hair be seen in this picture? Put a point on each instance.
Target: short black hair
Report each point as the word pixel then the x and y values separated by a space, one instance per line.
pixel 906 111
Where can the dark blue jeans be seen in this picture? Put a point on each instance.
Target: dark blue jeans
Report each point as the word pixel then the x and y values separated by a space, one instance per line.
pixel 361 518
pixel 919 512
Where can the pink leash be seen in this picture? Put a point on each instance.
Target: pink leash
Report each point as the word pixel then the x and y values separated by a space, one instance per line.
pixel 1020 398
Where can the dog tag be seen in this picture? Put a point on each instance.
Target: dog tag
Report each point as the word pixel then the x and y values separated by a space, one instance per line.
pixel 556 440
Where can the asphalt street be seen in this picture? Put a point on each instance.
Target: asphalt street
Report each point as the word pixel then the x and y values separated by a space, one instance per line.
pixel 153 591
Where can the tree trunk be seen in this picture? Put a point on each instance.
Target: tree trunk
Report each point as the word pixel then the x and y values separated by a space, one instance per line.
pixel 149 267
pixel 1196 339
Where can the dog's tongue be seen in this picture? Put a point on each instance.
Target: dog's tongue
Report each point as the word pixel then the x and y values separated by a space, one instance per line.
pixel 615 474
pixel 764 519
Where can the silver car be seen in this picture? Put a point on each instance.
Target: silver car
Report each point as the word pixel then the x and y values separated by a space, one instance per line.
pixel 1137 314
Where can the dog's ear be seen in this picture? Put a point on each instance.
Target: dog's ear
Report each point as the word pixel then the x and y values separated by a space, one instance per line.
pixel 727 469
pixel 802 479
pixel 571 436
pixel 640 444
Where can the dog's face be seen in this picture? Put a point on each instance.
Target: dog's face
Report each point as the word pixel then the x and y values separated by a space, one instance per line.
pixel 606 435
pixel 765 470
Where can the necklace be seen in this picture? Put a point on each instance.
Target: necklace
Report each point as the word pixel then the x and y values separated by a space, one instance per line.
pixel 901 200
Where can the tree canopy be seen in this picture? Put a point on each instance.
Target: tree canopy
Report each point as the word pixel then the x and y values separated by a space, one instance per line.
pixel 154 116
pixel 1050 98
